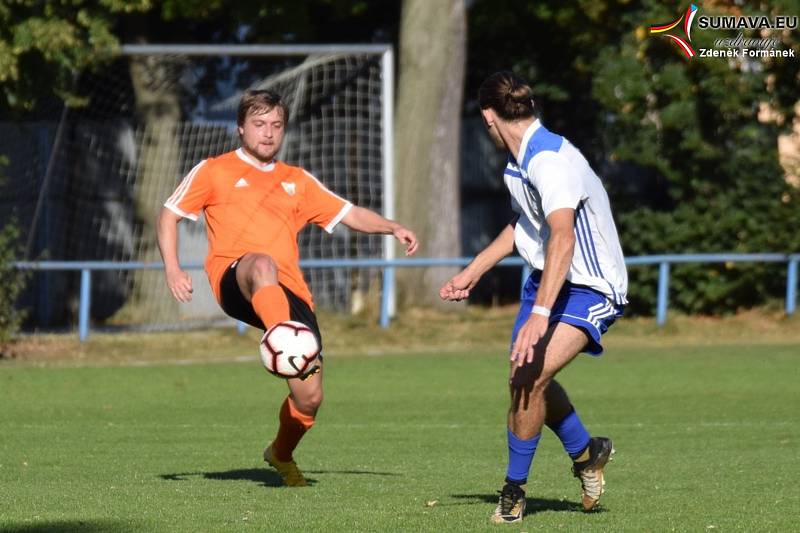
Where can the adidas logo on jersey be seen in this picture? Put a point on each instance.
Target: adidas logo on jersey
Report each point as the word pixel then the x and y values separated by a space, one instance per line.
pixel 289 187
pixel 241 183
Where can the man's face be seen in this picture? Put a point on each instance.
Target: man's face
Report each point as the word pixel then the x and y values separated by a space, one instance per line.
pixel 262 133
pixel 489 119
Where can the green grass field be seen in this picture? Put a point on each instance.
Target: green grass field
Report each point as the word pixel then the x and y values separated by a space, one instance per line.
pixel 707 438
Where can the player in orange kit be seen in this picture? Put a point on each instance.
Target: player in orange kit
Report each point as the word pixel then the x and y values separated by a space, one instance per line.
pixel 255 206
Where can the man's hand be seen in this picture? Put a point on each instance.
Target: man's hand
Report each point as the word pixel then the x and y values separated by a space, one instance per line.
pixel 361 219
pixel 458 287
pixel 462 283
pixel 180 284
pixel 528 336
pixel 407 237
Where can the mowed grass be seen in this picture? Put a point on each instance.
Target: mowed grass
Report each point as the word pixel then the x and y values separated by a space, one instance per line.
pixel 707 439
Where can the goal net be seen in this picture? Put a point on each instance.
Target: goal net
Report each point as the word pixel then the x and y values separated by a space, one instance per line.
pixel 106 167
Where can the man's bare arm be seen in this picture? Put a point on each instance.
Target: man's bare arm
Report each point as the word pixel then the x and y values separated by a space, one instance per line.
pixel 364 220
pixel 178 281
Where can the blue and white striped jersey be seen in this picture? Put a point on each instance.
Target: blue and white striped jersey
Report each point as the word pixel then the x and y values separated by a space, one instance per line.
pixel 549 173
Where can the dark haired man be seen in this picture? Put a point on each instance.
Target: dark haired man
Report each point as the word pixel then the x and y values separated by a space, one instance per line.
pixel 564 230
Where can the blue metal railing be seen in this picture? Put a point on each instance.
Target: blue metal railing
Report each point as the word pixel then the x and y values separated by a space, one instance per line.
pixel 389 267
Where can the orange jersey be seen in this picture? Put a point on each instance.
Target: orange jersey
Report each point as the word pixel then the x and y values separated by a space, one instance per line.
pixel 255 207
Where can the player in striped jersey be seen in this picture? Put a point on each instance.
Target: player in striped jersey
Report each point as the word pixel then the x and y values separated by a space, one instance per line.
pixel 564 230
pixel 255 206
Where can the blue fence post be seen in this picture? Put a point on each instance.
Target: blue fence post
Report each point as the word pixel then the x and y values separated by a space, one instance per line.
pixel 663 293
pixel 526 273
pixel 85 304
pixel 791 286
pixel 386 293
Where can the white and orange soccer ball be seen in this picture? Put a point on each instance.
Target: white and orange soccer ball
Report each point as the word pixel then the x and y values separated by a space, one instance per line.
pixel 289 349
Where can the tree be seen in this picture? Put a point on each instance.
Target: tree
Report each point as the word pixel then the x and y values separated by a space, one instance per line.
pixel 432 54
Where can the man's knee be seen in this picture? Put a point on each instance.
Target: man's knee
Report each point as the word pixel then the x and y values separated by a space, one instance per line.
pixel 527 392
pixel 263 266
pixel 309 403
pixel 540 386
pixel 532 377
pixel 260 270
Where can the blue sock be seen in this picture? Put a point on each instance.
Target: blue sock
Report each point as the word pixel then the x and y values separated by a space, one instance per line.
pixel 573 435
pixel 520 457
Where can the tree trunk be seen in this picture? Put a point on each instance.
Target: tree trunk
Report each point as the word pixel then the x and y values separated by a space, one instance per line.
pixel 432 53
pixel 155 85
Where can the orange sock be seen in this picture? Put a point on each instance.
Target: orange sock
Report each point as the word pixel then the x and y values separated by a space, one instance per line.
pixel 271 305
pixel 294 425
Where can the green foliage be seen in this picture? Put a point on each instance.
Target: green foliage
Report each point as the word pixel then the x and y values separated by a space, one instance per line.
pixel 690 164
pixel 12 285
pixel 13 280
pixel 43 44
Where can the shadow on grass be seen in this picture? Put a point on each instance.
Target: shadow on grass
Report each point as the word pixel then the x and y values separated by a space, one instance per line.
pixel 65 526
pixel 353 472
pixel 264 476
pixel 532 505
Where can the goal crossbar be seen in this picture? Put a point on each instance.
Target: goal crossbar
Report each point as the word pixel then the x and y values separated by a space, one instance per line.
pixel 253 49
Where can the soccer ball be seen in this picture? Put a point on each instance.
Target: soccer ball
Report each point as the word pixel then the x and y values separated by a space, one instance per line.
pixel 289 349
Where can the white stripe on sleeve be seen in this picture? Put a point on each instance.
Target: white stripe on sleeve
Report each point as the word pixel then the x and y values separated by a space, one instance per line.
pixel 338 218
pixel 178 211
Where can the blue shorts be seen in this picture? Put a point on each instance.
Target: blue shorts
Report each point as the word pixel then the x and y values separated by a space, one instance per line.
pixel 577 305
